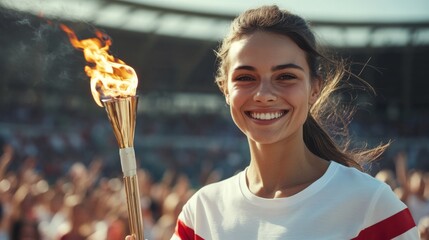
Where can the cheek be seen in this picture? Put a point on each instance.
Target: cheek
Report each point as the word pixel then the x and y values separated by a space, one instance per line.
pixel 296 95
pixel 236 102
pixel 235 96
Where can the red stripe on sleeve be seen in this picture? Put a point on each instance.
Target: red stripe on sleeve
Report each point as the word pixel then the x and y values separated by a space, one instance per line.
pixel 389 228
pixel 186 233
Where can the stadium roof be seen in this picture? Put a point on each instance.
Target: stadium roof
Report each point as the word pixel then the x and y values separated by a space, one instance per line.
pixel 170 45
pixel 348 23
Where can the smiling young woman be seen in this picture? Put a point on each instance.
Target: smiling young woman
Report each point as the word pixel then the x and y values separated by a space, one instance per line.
pixel 300 183
pixel 270 73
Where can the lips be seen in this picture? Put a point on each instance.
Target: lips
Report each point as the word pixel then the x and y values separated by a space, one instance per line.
pixel 266 116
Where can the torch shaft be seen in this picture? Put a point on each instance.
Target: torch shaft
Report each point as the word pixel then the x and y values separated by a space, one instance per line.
pixel 128 163
pixel 134 210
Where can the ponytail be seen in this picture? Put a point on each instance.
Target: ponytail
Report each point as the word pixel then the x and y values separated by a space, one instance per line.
pixel 323 145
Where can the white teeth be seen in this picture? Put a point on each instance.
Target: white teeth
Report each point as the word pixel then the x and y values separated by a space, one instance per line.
pixel 266 116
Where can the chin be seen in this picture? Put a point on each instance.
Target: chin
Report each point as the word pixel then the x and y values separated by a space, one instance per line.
pixel 269 139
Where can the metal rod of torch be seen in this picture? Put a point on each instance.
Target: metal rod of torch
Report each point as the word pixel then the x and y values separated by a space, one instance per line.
pixel 122 116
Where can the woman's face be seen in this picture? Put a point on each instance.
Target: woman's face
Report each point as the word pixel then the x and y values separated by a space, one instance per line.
pixel 269 89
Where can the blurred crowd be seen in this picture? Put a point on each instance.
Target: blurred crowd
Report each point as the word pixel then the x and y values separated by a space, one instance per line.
pixel 60 176
pixel 61 179
pixel 82 204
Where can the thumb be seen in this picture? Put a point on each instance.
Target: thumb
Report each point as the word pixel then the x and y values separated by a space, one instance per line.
pixel 129 237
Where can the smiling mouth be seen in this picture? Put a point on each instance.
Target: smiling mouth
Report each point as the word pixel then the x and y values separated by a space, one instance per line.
pixel 266 115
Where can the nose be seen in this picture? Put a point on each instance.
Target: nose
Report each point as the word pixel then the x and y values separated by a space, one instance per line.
pixel 264 92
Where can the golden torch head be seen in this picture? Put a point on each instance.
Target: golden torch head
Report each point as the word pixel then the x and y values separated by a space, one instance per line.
pixel 122 117
pixel 113 84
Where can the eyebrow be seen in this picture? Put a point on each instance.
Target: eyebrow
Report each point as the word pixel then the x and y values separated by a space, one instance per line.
pixel 285 66
pixel 275 68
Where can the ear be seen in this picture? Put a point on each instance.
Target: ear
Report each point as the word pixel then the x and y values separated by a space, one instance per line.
pixel 316 88
pixel 226 94
pixel 227 98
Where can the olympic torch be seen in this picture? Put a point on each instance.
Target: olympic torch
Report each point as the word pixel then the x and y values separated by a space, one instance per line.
pixel 113 85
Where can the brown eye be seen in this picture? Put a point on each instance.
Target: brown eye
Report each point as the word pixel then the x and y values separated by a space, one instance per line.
pixel 244 78
pixel 286 77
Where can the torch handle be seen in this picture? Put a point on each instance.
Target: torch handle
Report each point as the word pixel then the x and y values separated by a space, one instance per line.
pixel 129 168
pixel 134 210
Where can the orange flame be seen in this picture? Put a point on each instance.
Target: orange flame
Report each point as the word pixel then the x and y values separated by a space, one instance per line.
pixel 110 77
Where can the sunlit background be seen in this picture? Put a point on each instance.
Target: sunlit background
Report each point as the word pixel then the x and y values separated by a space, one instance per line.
pixel 183 124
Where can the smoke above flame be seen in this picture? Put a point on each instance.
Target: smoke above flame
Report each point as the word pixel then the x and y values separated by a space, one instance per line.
pixel 110 77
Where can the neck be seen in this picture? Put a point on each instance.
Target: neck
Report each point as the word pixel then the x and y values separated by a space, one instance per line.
pixel 282 169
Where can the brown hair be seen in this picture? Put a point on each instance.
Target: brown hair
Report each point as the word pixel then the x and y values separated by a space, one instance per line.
pixel 326 110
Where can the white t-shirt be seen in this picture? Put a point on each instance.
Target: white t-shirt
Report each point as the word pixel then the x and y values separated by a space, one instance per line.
pixel 343 204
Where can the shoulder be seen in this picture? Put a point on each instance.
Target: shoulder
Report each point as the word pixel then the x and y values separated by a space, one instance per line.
pixel 218 189
pixel 209 199
pixel 363 189
pixel 213 195
pixel 357 180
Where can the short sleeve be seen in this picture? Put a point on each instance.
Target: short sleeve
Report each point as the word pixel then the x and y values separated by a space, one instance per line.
pixel 388 218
